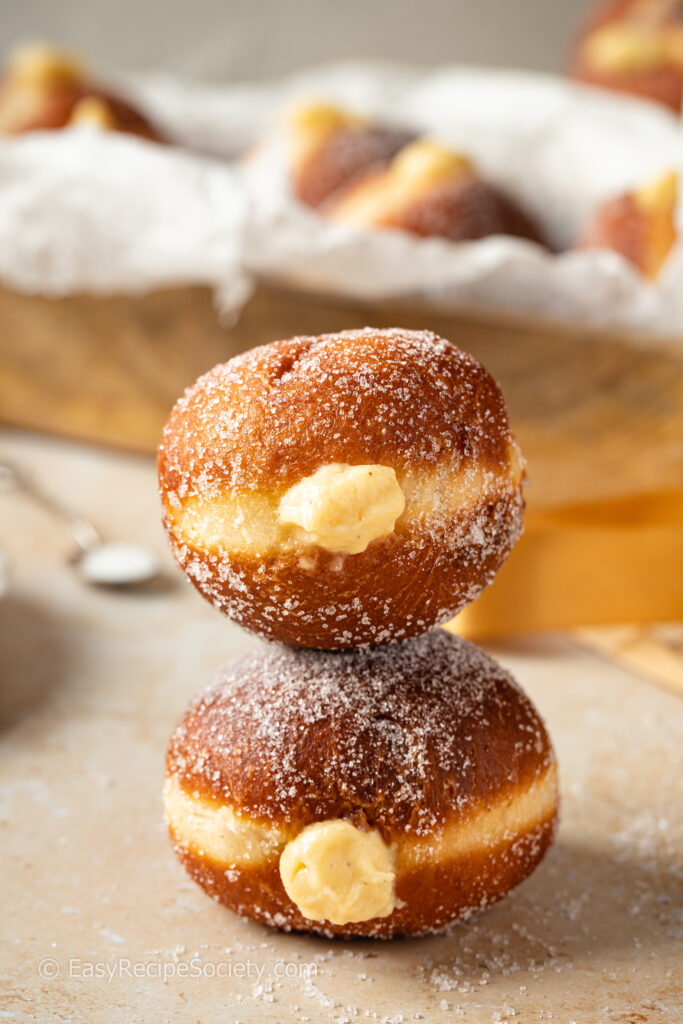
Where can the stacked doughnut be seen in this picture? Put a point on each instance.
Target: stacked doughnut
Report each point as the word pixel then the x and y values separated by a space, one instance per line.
pixel 364 772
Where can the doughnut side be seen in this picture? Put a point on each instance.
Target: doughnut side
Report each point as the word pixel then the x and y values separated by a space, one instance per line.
pixel 663 85
pixel 466 866
pixel 466 211
pixel 35 111
pixel 316 598
pixel 126 118
pixel 639 225
pixel 261 424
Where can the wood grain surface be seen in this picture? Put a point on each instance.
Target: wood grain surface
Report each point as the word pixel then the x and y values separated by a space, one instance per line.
pixel 597 417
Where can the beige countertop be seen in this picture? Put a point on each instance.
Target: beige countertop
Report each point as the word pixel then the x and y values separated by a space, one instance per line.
pixel 91 684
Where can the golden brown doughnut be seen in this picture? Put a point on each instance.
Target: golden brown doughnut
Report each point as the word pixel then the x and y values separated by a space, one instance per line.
pixel 634 46
pixel 416 782
pixel 639 225
pixel 430 190
pixel 345 490
pixel 374 175
pixel 45 89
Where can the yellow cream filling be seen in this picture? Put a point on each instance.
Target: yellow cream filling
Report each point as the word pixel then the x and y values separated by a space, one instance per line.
pixel 344 508
pixel 263 523
pixel 334 872
pixel 659 195
pixel 622 47
pixel 93 111
pixel 40 65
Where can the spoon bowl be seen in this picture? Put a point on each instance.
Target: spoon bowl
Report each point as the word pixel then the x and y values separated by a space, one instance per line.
pixel 98 562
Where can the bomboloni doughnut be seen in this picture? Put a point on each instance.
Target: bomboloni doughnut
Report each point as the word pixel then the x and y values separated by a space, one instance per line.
pixel 429 190
pixel 46 89
pixel 634 46
pixel 372 175
pixel 379 792
pixel 341 491
pixel 640 225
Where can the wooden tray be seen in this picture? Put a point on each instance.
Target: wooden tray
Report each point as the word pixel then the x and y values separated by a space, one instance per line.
pixel 597 418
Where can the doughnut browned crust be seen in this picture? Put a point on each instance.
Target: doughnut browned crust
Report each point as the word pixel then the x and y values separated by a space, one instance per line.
pixel 431 743
pixel 466 210
pixel 344 156
pixel 251 428
pixel 662 83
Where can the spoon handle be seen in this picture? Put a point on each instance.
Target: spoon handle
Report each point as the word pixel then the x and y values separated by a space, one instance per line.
pixel 81 529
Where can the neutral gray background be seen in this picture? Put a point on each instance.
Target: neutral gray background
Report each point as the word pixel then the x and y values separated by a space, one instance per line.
pixel 222 39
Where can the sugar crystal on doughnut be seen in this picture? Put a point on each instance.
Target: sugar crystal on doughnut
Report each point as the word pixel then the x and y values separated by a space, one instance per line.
pixel 429 745
pixel 255 427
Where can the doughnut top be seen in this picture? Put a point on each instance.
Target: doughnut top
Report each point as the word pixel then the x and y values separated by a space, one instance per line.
pixel 400 738
pixel 269 417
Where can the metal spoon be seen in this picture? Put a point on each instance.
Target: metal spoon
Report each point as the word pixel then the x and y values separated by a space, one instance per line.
pixel 102 563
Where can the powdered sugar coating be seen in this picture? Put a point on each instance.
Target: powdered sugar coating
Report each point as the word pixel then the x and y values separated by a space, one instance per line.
pixel 273 415
pixel 403 738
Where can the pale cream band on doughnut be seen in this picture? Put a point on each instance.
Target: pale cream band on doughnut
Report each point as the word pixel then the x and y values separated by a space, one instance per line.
pixel 214 829
pixel 334 872
pixel 344 508
pixel 251 523
pixel 211 829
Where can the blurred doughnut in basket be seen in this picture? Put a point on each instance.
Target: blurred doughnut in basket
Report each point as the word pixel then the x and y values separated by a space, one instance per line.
pixel 46 89
pixel 638 224
pixel 371 175
pixel 634 46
